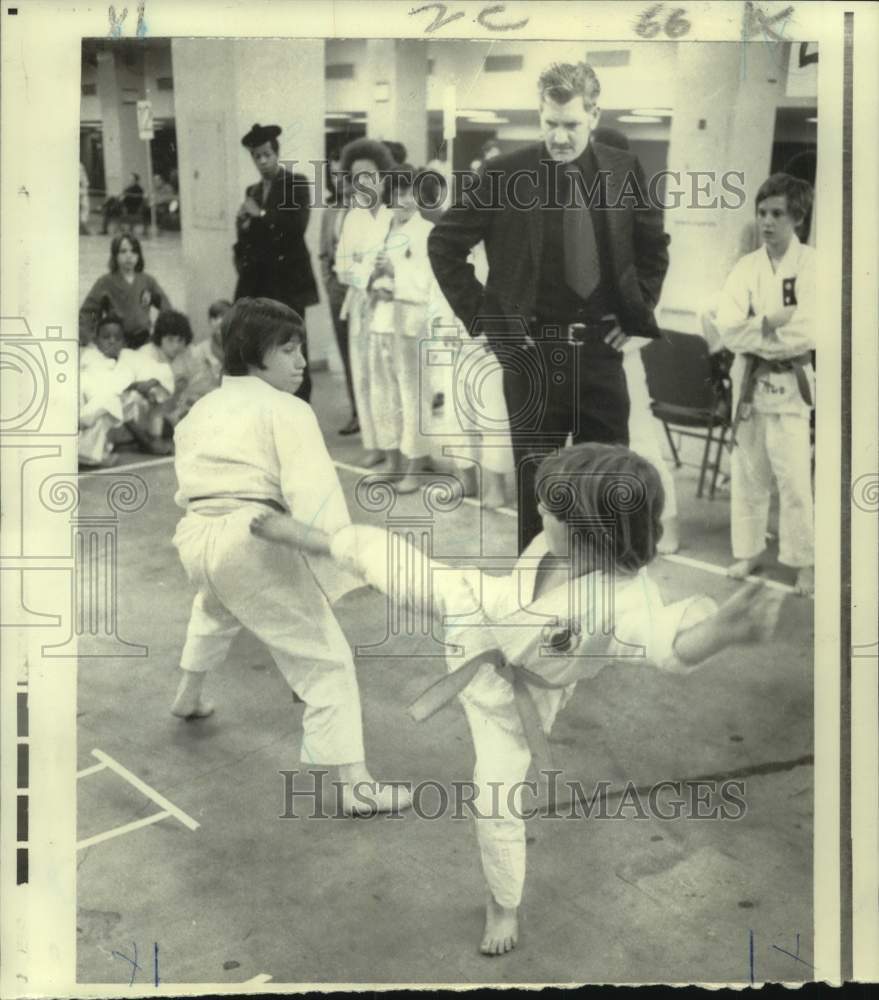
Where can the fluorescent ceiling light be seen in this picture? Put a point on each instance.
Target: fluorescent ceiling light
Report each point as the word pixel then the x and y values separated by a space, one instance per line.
pixel 638 119
pixel 812 119
pixel 652 112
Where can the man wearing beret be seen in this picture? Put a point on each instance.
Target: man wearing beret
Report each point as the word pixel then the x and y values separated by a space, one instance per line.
pixel 271 257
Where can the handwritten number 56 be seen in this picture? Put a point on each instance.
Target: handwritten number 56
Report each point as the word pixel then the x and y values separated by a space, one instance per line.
pixel 676 24
pixel 486 17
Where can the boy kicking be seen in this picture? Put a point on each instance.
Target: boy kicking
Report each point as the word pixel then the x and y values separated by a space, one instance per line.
pixel 578 599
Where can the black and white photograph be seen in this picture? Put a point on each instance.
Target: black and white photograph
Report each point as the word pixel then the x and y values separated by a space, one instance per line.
pixel 439 485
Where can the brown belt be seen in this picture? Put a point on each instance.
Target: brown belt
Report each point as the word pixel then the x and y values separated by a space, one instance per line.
pixel 756 366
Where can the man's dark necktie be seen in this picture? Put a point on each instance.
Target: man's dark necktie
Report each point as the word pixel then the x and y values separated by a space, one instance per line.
pixel 581 251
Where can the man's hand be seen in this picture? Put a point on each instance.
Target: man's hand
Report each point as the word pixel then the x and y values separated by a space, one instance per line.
pixel 616 339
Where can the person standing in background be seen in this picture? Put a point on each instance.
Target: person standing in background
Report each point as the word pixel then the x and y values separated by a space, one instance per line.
pixel 271 257
pixel 570 278
pixel 330 230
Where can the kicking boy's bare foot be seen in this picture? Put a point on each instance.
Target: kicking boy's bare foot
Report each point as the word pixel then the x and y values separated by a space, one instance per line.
pixel 362 795
pixel 369 459
pixel 501 929
pixel 745 567
pixel 670 541
pixel 805 581
pixel 493 490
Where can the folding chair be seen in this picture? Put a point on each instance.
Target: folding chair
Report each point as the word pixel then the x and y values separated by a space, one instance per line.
pixel 689 390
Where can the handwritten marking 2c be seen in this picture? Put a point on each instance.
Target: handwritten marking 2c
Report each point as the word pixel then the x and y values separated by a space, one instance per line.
pixel 443 17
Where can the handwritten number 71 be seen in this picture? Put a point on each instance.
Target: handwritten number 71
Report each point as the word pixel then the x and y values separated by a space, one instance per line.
pixel 486 17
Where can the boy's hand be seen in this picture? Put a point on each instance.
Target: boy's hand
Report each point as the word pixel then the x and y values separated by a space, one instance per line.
pixel 751 614
pixel 281 528
pixel 781 317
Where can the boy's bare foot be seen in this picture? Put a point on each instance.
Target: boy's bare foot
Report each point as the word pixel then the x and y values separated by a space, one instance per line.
pixel 189 703
pixel 370 459
pixel 670 541
pixel 362 795
pixel 745 567
pixel 751 614
pixel 501 929
pixel 805 581
pixel 200 710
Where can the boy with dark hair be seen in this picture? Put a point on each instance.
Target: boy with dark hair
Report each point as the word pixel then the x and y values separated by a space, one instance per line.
pixel 766 316
pixel 253 444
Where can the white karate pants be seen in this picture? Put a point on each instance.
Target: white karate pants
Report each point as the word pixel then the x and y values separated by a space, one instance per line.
pixel 502 761
pixel 645 432
pixel 767 444
pixel 270 589
pixel 474 423
pixel 356 310
pixel 402 394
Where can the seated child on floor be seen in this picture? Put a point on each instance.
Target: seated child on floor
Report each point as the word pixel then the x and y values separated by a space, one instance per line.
pixel 578 599
pixel 201 365
pixel 117 391
pixel 252 444
pixel 169 340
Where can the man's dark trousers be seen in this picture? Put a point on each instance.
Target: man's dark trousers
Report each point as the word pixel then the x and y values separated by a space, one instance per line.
pixel 556 388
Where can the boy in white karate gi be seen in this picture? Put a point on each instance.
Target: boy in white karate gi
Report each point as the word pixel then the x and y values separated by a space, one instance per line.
pixel 766 316
pixel 247 445
pixel 578 598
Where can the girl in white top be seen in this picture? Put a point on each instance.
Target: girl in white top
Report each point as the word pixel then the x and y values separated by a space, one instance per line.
pixel 363 235
pixel 250 444
pixel 766 315
pixel 563 614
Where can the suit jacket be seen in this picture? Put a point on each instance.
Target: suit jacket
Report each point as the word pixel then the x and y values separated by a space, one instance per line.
pixel 271 256
pixel 513 241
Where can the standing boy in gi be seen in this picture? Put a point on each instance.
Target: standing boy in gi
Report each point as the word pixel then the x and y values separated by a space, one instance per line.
pixel 767 317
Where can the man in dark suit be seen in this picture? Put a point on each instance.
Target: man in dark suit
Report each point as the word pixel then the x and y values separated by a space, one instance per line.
pixel 271 257
pixel 576 262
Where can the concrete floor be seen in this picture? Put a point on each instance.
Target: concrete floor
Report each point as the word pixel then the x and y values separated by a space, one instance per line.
pixel 399 901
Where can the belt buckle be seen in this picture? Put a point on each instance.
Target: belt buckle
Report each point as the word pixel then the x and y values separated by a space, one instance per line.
pixel 573 329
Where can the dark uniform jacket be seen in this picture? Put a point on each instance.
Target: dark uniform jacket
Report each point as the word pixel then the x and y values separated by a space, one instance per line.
pixel 513 240
pixel 271 257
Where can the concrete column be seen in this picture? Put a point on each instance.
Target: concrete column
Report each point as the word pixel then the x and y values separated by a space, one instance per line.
pixel 725 100
pixel 222 87
pixel 124 151
pixel 397 98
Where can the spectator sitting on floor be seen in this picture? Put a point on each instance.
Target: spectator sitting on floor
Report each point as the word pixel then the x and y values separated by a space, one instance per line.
pixel 130 289
pixel 169 340
pixel 117 389
pixel 201 365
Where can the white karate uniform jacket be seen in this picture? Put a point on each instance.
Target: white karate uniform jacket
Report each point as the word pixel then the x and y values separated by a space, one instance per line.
pixel 606 618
